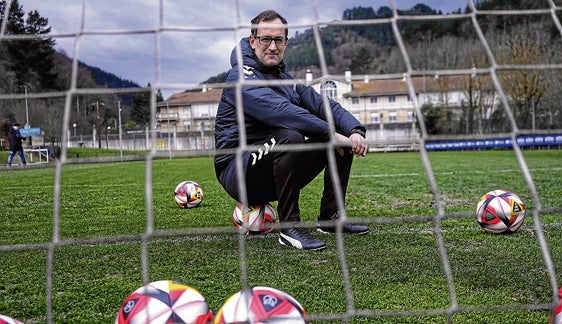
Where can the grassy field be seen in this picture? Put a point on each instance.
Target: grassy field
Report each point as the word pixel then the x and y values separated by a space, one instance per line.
pixel 395 268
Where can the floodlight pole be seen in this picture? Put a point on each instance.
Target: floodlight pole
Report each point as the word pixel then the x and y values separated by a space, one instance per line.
pixel 97 104
pixel 26 107
pixel 168 126
pixel 120 131
pixel 99 126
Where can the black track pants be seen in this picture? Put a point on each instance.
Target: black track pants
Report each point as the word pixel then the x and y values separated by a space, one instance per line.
pixel 275 175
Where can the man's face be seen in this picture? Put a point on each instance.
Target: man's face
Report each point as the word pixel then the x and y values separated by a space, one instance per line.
pixel 272 54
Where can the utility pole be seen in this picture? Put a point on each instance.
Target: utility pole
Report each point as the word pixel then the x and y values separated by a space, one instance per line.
pixel 120 131
pixel 99 126
pixel 470 113
pixel 97 104
pixel 26 108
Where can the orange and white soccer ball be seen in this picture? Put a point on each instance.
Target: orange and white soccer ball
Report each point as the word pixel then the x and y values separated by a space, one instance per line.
pixel 500 211
pixel 188 194
pixel 254 219
pixel 164 301
pixel 261 305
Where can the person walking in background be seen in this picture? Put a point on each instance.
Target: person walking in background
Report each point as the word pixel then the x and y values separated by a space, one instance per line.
pixel 283 115
pixel 15 140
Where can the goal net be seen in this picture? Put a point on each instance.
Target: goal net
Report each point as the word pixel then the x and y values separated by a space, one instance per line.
pixel 484 78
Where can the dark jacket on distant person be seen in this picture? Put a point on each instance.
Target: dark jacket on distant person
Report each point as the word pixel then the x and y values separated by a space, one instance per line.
pixel 15 139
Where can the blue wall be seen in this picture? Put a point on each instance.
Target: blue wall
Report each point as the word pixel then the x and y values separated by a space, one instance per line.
pixel 527 140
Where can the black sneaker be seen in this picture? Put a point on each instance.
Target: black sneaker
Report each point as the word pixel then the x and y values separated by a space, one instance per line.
pixel 346 228
pixel 300 238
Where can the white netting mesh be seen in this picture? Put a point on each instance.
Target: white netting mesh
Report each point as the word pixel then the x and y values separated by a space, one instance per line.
pixel 490 65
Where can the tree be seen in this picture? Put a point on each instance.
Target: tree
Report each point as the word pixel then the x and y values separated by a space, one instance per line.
pixel 159 96
pixel 8 48
pixel 30 61
pixel 140 110
pixel 41 55
pixel 361 62
pixel 358 13
pixel 525 87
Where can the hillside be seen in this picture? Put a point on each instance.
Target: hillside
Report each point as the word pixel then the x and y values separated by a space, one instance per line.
pixel 91 77
pixel 108 79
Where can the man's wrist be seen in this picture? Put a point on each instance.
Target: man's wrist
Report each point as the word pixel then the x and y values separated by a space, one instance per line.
pixel 359 131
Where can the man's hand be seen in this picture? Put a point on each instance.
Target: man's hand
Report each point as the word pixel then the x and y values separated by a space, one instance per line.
pixel 358 144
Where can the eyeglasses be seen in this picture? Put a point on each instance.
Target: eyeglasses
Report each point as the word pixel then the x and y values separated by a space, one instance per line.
pixel 266 40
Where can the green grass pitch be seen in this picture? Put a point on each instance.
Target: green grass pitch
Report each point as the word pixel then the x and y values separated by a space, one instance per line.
pixel 395 268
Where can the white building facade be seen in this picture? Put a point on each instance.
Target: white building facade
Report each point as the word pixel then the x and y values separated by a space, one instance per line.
pixel 384 106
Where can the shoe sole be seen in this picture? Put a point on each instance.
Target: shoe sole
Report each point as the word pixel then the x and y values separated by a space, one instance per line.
pixel 319 230
pixel 287 242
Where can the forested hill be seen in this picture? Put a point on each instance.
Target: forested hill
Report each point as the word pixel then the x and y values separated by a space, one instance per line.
pixel 108 79
pixel 90 76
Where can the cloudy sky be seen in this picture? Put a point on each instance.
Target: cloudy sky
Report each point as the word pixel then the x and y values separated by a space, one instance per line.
pixel 195 38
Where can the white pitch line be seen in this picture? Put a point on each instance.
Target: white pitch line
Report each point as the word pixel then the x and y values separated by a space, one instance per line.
pixel 446 173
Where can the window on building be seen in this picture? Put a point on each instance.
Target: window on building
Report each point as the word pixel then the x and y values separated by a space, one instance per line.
pixel 392 117
pixel 355 100
pixel 410 116
pixel 375 118
pixel 391 98
pixel 373 100
pixel 330 89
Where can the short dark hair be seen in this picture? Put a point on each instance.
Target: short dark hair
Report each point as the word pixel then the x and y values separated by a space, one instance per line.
pixel 267 15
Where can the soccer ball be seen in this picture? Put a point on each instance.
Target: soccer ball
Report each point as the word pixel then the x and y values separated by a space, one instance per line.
pixel 164 301
pixel 500 211
pixel 261 305
pixel 8 320
pixel 254 219
pixel 188 194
